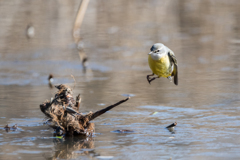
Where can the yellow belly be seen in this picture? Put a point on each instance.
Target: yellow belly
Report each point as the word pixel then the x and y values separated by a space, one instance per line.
pixel 161 67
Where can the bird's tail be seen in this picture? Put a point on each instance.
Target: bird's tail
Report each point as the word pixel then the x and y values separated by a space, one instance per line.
pixel 175 74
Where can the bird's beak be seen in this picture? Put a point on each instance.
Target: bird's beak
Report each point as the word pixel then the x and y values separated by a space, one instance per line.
pixel 149 53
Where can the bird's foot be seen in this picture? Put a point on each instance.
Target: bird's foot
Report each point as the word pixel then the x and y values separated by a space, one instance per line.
pixel 170 78
pixel 148 78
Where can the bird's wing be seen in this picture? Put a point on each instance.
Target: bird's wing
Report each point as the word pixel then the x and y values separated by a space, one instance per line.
pixel 175 70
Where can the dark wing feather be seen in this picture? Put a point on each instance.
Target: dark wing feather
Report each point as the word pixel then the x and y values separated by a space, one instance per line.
pixel 175 70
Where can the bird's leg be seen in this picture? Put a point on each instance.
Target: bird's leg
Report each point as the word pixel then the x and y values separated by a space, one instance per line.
pixel 148 77
pixel 150 80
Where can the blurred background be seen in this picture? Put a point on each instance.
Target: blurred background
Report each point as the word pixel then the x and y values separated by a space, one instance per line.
pixel 36 39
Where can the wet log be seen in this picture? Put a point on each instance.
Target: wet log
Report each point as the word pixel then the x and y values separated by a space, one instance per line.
pixel 63 115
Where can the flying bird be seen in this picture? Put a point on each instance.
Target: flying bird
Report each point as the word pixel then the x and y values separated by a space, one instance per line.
pixel 163 63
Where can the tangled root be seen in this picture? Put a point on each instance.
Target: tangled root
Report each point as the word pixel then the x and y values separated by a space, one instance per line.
pixel 62 113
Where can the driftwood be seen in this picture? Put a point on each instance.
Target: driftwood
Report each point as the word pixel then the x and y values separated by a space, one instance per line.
pixel 63 116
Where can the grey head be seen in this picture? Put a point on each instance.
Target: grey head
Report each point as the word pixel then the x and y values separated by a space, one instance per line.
pixel 157 47
pixel 158 50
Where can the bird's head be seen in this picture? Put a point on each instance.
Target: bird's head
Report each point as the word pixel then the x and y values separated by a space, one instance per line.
pixel 157 48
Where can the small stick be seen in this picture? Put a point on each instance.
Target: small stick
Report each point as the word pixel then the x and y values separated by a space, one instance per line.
pixel 50 80
pixel 172 125
pixel 78 102
pixel 100 112
pixel 74 81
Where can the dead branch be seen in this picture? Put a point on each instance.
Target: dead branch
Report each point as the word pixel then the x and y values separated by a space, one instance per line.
pixel 100 112
pixel 62 113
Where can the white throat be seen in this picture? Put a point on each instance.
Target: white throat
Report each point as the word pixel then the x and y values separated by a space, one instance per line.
pixel 156 56
pixel 159 55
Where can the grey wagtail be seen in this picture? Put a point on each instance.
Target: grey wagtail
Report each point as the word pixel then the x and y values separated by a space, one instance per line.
pixel 163 63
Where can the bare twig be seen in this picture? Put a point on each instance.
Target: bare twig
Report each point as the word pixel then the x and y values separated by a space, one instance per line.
pixel 78 101
pixel 74 81
pixel 100 112
pixel 50 80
